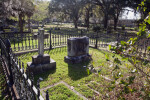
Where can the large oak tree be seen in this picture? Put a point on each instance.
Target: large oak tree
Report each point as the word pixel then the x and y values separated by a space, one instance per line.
pixel 105 6
pixel 17 8
pixel 72 8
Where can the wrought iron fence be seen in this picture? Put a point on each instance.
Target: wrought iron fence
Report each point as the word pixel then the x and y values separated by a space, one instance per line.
pixel 28 41
pixel 19 82
pixel 53 38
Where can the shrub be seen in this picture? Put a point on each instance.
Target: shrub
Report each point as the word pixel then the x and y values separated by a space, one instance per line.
pixel 96 28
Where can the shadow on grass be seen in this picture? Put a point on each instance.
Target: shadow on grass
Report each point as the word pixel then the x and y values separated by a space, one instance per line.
pixel 44 75
pixel 77 71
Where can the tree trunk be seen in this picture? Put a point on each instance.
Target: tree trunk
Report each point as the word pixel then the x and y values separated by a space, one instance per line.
pixel 105 21
pixel 87 19
pixel 75 23
pixel 20 23
pixel 115 23
pixel 29 25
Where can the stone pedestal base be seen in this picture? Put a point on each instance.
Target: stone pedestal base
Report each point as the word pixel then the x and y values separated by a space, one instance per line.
pixel 77 59
pixel 40 64
pixel 36 59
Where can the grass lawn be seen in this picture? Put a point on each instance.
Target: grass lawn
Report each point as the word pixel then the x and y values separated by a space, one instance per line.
pixel 76 75
pixel 61 92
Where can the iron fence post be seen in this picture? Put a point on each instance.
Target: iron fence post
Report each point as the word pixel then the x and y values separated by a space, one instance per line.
pixel 47 95
pixel 81 33
pixel 50 40
pixel 8 45
pixel 96 40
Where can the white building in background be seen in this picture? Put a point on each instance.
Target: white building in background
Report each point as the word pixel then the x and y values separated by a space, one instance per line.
pixel 126 22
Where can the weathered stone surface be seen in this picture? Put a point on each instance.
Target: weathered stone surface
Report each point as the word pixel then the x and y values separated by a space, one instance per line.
pixel 36 59
pixel 78 46
pixel 78 50
pixel 36 69
pixel 52 65
pixel 41 62
pixel 77 59
pixel 41 42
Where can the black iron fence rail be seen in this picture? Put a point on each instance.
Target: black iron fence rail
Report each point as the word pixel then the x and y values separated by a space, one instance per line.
pixel 20 83
pixel 52 39
pixel 29 41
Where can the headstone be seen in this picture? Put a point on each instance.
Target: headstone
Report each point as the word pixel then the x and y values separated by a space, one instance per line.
pixel 78 50
pixel 41 62
pixel 78 46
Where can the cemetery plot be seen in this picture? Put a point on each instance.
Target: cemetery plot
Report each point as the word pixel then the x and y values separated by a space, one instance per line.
pixel 79 76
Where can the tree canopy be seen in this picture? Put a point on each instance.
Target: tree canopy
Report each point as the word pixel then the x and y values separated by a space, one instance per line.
pixel 41 10
pixel 68 7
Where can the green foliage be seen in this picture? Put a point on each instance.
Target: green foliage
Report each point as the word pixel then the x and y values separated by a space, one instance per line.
pixel 116 67
pixel 99 71
pixel 123 43
pixel 66 9
pixel 88 71
pixel 130 47
pixel 41 11
pixel 117 61
pixel 109 47
pixel 107 57
pixel 96 28
pixel 148 48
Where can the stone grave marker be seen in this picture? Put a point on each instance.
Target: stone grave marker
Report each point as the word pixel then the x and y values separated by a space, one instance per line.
pixel 78 50
pixel 41 62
